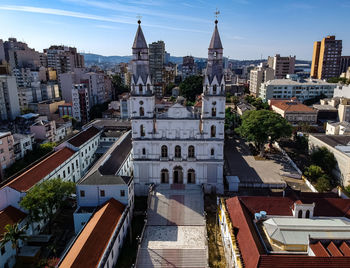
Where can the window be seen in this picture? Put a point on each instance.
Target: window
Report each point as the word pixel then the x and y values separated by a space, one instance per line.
pixel 76 163
pixel 122 192
pixel 177 151
pixel 213 131
pixel 82 193
pixel 142 111
pixel 300 214
pixel 72 167
pixel 148 87
pixel 140 88
pixel 307 215
pixel 213 111
pixel 102 193
pixel 82 223
pixel 164 151
pixel 191 151
pixel 144 151
pixel 214 89
pixel 64 174
pixel 222 88
pixel 191 176
pixel 212 151
pixel 164 176
pixel 3 250
pixel 142 131
pixel 68 170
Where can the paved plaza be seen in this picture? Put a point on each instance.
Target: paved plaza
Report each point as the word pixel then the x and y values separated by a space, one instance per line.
pixel 175 234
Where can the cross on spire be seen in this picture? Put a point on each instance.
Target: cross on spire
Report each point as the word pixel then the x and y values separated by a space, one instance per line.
pixel 139 18
pixel 217 13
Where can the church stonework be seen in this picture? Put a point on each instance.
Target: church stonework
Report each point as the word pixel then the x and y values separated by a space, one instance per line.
pixel 181 145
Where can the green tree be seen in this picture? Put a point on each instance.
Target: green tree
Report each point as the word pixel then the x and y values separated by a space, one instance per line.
pixel 169 88
pixel 313 173
pixel 324 158
pixel 96 110
pixel 47 147
pixel 44 199
pixel 232 120
pixel 235 100
pixel 118 86
pixel 323 184
pixel 191 87
pixel 70 118
pixel 263 126
pixel 13 234
pixel 339 79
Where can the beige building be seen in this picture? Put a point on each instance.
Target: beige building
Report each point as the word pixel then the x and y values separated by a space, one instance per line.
pixel 44 130
pixel 7 155
pixel 339 146
pixel 281 65
pixel 326 58
pixel 294 111
pixel 259 75
pixel 9 104
pixel 346 74
pixel 342 105
pixel 49 108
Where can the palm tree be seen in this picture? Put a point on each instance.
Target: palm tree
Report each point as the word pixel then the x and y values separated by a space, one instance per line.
pixel 13 234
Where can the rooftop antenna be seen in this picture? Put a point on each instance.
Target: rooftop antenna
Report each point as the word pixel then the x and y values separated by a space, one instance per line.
pixel 217 13
pixel 139 17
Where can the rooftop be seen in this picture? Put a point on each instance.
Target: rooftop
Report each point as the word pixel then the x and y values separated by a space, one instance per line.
pixel 333 140
pixel 5 134
pixel 90 245
pixel 301 82
pixel 241 212
pixel 10 215
pixel 32 176
pixel 83 136
pixel 292 106
pixel 325 107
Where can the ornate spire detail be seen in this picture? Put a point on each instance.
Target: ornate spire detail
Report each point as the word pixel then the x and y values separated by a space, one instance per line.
pixel 139 41
pixel 215 42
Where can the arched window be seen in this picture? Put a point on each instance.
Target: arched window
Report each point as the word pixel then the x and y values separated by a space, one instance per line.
pixel 215 54
pixel 213 131
pixel 164 176
pixel 222 88
pixel 191 176
pixel 191 151
pixel 214 89
pixel 140 88
pixel 142 131
pixel 307 215
pixel 164 150
pixel 177 151
pixel 300 214
pixel 144 151
pixel 142 111
pixel 139 55
pixel 213 111
pixel 212 152
pixel 148 87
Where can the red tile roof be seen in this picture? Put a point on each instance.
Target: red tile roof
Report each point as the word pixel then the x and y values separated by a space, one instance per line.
pixel 84 136
pixel 10 215
pixel 241 211
pixel 92 242
pixel 319 250
pixel 292 106
pixel 32 176
pixel 333 250
pixel 345 249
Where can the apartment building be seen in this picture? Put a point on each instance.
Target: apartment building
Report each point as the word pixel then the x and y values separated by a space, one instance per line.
pixel 259 75
pixel 49 108
pixel 22 144
pixel 80 103
pixel 9 104
pixel 188 67
pixel 344 64
pixel 44 130
pixel 326 58
pixel 281 65
pixel 294 87
pixel 156 63
pixel 7 153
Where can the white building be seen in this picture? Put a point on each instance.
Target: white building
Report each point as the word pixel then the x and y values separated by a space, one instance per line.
pixel 80 102
pixel 62 130
pixel 293 87
pixel 9 104
pixel 110 177
pixel 260 74
pixel 22 144
pixel 86 143
pixel 338 128
pixel 178 146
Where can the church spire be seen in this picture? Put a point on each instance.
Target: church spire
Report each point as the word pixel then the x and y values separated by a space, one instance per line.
pixel 139 41
pixel 215 42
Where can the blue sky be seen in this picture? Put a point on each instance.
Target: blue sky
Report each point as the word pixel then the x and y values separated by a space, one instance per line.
pixel 248 28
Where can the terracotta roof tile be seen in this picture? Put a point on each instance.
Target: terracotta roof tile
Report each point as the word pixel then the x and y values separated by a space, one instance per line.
pixel 298 261
pixel 32 176
pixel 292 106
pixel 319 250
pixel 91 243
pixel 333 250
pixel 345 249
pixel 83 136
pixel 10 215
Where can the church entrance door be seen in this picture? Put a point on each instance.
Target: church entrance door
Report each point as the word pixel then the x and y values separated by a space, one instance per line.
pixel 178 175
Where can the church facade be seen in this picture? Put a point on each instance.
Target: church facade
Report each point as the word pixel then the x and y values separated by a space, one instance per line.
pixel 181 145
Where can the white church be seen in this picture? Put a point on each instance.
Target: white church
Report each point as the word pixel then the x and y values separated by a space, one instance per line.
pixel 182 145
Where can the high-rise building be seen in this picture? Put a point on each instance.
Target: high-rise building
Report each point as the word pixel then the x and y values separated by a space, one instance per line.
pixel 344 64
pixel 281 65
pixel 2 51
pixel 259 75
pixel 326 58
pixel 188 67
pixel 156 64
pixel 9 104
pixel 182 145
pixel 63 59
pixel 80 103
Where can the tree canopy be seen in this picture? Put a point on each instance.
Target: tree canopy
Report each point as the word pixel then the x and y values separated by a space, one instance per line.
pixel 263 126
pixel 45 198
pixel 13 234
pixel 324 158
pixel 258 103
pixel 191 87
pixel 118 86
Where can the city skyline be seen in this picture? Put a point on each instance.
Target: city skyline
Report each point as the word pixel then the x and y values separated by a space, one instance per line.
pixel 250 29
